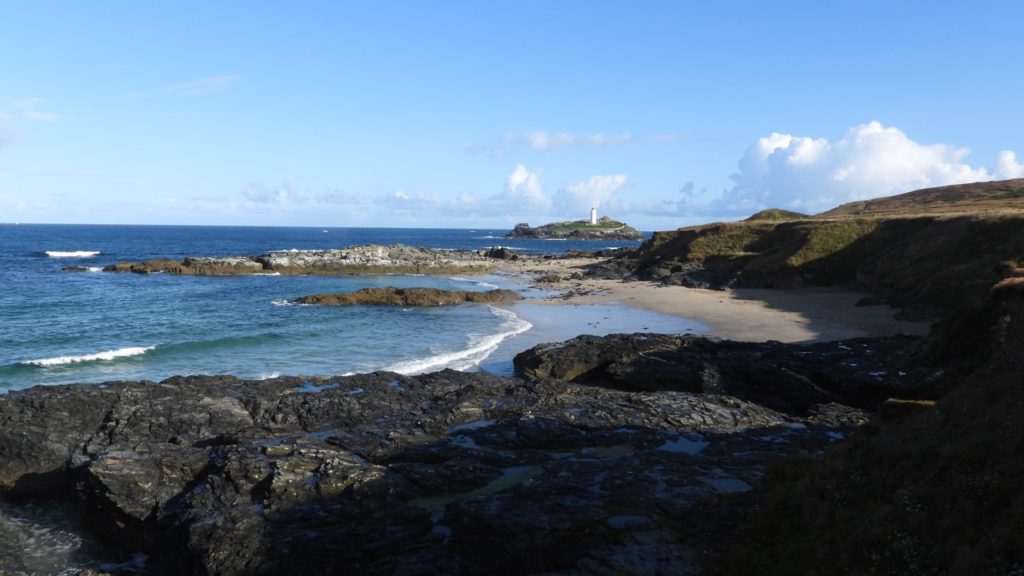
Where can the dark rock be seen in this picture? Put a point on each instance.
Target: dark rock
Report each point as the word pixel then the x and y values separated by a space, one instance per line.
pixel 383 473
pixel 549 278
pixel 870 301
pixel 390 296
pixel 611 269
pixel 501 253
pixel 786 377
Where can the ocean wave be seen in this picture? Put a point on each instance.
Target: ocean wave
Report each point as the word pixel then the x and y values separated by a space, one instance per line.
pixel 479 283
pixel 73 254
pixel 480 347
pixel 265 274
pixel 283 302
pixel 107 356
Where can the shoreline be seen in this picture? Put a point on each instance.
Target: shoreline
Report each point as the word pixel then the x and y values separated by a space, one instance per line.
pixel 797 315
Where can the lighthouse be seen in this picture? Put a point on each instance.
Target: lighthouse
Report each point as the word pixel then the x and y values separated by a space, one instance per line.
pixel 593 216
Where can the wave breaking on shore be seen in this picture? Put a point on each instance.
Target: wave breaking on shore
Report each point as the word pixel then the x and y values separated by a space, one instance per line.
pixel 107 355
pixel 481 346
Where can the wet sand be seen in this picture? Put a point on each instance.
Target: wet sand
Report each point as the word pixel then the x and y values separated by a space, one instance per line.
pixel 794 315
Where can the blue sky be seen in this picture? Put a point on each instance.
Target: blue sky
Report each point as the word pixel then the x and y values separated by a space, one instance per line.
pixel 484 114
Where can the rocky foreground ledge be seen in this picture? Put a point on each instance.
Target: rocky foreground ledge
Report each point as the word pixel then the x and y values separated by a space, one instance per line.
pixel 604 458
pixel 354 260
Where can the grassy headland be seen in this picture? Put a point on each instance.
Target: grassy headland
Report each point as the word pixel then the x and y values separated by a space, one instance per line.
pixel 929 256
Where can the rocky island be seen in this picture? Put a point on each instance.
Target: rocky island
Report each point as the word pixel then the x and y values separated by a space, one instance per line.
pixel 604 228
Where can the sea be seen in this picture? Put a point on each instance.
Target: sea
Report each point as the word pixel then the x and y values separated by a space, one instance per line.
pixel 90 326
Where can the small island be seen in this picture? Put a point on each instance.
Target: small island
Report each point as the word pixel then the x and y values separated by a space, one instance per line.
pixel 603 228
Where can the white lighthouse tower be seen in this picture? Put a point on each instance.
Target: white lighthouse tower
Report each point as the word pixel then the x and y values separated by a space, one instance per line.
pixel 593 216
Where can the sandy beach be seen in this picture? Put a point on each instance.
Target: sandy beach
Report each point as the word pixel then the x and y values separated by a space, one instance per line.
pixel 794 315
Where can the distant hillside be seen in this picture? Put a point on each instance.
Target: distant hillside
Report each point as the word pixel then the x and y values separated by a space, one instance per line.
pixel 930 249
pixel 775 214
pixel 1001 196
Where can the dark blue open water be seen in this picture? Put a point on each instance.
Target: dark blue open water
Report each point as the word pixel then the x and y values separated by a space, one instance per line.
pixel 58 327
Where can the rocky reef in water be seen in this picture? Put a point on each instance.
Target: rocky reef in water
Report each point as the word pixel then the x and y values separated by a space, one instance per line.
pixel 390 296
pixel 605 229
pixel 354 260
pixel 574 468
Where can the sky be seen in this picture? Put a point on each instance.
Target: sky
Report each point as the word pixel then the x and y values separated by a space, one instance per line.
pixel 483 114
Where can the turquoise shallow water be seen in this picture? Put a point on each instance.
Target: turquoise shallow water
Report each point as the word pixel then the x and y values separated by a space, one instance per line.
pixel 60 327
pixel 90 327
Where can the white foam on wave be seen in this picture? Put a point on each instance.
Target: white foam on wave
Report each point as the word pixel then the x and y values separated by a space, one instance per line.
pixel 265 274
pixel 73 254
pixel 479 283
pixel 107 356
pixel 95 269
pixel 480 347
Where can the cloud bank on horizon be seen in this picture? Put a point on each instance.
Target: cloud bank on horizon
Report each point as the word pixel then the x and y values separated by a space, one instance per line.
pixel 801 173
pixel 811 175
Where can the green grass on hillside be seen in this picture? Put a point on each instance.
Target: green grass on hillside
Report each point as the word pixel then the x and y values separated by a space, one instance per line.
pixel 586 225
pixel 776 214
pixel 925 262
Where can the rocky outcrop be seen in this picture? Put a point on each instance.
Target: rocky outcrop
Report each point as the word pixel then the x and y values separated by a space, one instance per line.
pixel 390 296
pixel 384 474
pixel 605 229
pixel 789 378
pixel 354 260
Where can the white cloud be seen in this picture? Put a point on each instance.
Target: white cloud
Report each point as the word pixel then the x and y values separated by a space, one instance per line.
pixel 524 190
pixel 37 116
pixel 597 192
pixel 539 140
pixel 287 196
pixel 1008 166
pixel 200 86
pixel 870 160
pixel 283 194
pixel 29 107
pixel 27 102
